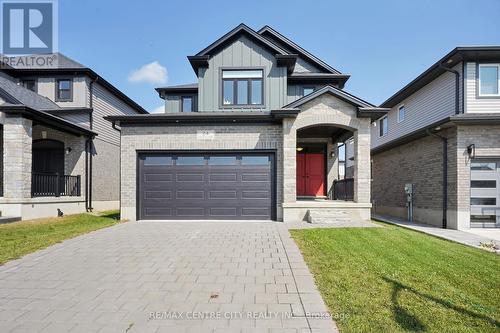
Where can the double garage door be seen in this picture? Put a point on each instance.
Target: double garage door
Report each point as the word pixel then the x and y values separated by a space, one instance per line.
pixel 206 186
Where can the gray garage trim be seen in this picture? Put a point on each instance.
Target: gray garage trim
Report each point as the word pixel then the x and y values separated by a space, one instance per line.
pixel 202 190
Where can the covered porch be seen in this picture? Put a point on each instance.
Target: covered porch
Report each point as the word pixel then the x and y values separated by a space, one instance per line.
pixel 44 164
pixel 326 174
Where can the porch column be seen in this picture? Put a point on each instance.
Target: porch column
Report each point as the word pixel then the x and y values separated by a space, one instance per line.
pixel 17 139
pixel 362 165
pixel 289 163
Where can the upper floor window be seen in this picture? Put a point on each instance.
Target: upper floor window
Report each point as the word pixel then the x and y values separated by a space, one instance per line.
pixel 307 90
pixel 489 79
pixel 383 126
pixel 187 104
pixel 401 113
pixel 29 84
pixel 242 87
pixel 64 90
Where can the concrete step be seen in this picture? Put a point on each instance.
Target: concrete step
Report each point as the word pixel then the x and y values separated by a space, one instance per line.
pixel 9 219
pixel 328 216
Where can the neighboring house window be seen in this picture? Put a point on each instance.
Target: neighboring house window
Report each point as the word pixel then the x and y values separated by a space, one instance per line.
pixel 401 113
pixel 242 87
pixel 29 84
pixel 383 126
pixel 187 104
pixel 307 90
pixel 489 79
pixel 64 90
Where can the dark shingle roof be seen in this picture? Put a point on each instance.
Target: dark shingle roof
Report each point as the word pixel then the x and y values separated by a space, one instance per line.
pixel 16 94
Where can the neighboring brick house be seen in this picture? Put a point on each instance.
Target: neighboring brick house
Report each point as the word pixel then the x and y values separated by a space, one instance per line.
pixel 57 150
pixel 256 138
pixel 442 134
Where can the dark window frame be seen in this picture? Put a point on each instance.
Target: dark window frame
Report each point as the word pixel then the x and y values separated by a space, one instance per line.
pixel 182 103
pixel 235 88
pixel 57 98
pixel 381 127
pixel 308 87
pixel 35 84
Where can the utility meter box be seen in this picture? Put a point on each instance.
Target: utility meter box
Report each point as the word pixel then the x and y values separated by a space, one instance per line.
pixel 409 188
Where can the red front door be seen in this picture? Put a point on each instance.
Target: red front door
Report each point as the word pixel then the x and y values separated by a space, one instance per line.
pixel 310 174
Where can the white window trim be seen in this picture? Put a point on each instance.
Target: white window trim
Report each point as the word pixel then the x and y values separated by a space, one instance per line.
pixel 479 80
pixel 404 117
pixel 380 124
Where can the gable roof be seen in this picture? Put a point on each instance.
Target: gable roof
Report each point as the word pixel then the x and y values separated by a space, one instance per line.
pixel 461 53
pixel 283 57
pixel 68 66
pixel 364 109
pixel 341 94
pixel 237 31
pixel 294 48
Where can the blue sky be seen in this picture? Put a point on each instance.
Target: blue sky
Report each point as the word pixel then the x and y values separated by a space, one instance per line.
pixel 383 44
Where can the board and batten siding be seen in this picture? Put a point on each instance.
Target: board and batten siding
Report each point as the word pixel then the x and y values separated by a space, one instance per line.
pixel 243 53
pixel 295 91
pixel 430 104
pixel 473 103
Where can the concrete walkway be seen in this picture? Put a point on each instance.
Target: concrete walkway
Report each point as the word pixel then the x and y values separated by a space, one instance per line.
pixel 165 277
pixel 459 236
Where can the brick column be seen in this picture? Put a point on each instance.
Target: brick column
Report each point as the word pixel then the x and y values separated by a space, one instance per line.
pixel 289 160
pixel 362 175
pixel 17 137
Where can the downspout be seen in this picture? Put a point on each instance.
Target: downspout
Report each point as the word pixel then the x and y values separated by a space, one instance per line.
pixel 113 124
pixel 444 141
pixel 457 86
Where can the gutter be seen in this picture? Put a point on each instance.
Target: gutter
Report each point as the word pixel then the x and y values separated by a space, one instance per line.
pixel 444 141
pixel 457 86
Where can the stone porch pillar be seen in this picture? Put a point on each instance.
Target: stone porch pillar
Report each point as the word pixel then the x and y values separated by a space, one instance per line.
pixel 362 165
pixel 17 138
pixel 289 162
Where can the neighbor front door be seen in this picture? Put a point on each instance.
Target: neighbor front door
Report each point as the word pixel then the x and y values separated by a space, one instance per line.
pixel 311 174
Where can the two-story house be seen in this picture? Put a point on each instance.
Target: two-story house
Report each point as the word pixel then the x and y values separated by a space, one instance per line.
pixel 58 154
pixel 442 135
pixel 255 138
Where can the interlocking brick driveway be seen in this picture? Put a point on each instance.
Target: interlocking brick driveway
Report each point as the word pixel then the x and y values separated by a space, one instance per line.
pixel 136 277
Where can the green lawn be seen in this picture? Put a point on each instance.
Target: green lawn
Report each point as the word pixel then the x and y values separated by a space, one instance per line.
pixel 20 238
pixel 392 279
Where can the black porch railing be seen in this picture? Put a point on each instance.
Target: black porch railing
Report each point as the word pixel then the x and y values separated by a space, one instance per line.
pixel 343 189
pixel 54 185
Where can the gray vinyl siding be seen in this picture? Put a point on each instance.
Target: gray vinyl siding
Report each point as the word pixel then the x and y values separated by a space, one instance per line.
pixel 243 52
pixel 173 102
pixel 302 66
pixel 46 86
pixel 107 104
pixel 295 91
pixel 428 105
pixel 80 118
pixel 473 103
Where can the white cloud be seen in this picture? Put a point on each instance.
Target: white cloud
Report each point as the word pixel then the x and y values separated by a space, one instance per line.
pixel 160 109
pixel 151 73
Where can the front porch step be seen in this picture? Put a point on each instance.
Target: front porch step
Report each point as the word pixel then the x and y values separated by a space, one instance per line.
pixel 328 216
pixel 9 219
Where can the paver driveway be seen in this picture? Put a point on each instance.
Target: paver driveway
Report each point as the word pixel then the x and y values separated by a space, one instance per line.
pixel 165 277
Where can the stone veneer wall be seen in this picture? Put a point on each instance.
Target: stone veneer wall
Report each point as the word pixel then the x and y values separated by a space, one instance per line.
pixel 216 137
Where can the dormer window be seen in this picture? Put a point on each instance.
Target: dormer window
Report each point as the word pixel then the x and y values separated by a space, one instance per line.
pixel 29 84
pixel 242 87
pixel 307 90
pixel 187 104
pixel 489 80
pixel 64 90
